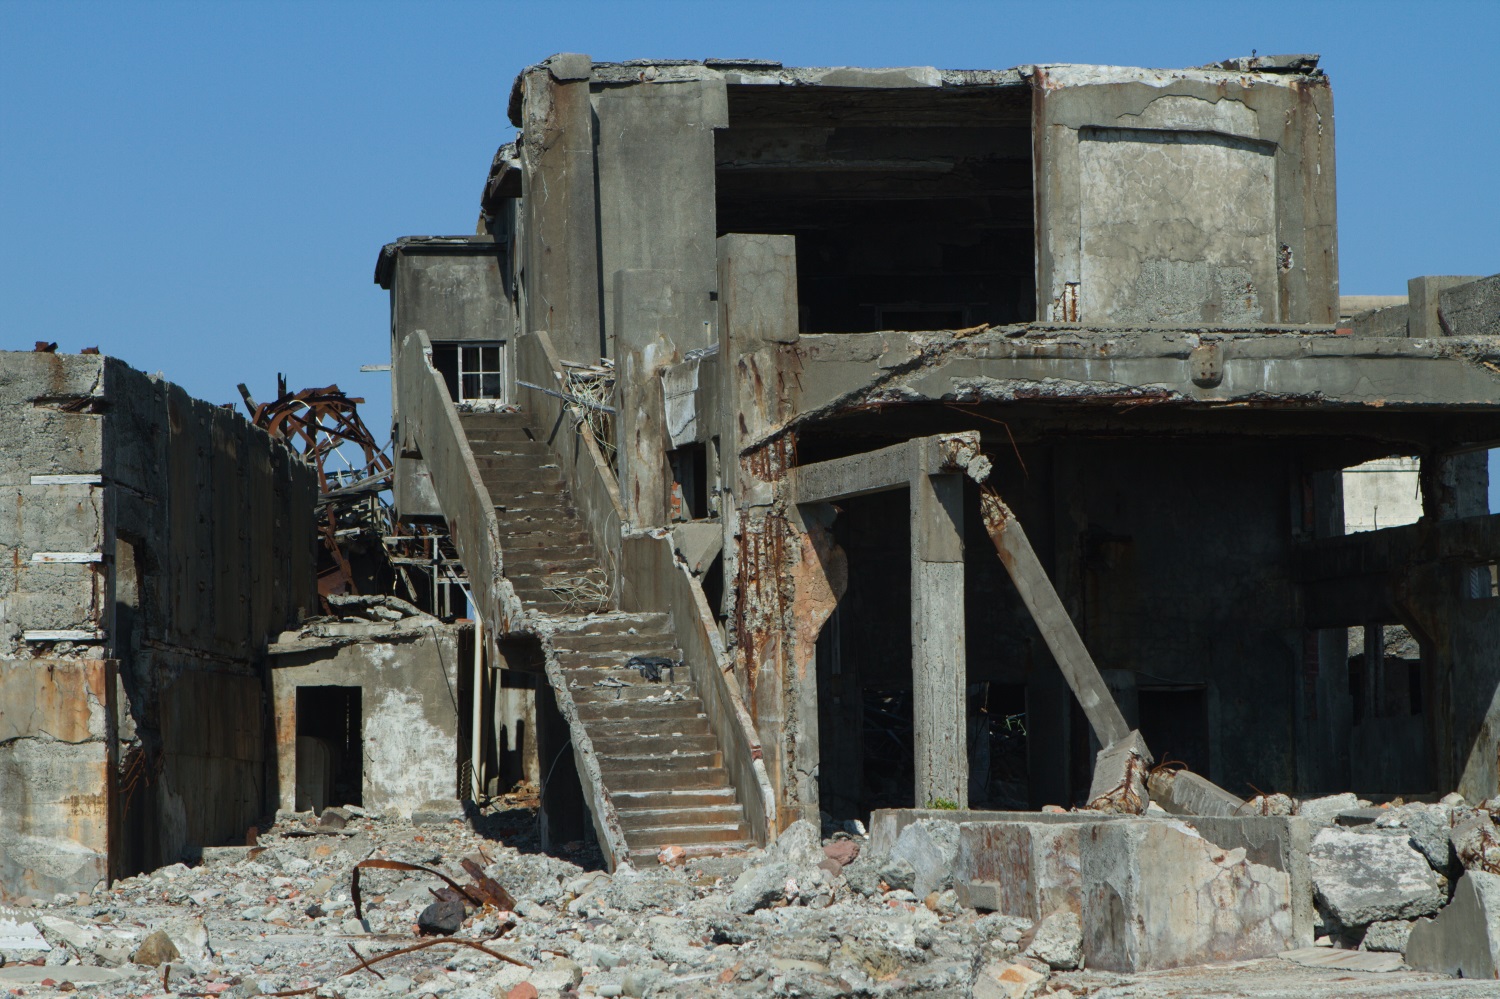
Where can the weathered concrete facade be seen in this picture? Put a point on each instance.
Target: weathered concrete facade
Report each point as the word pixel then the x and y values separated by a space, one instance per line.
pixel 398 687
pixel 155 543
pixel 1123 285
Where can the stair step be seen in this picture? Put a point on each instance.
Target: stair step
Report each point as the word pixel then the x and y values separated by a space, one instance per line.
pixel 659 693
pixel 605 712
pixel 660 836
pixel 659 762
pixel 618 744
pixel 621 622
pixel 628 726
pixel 632 819
pixel 680 798
pixel 555 504
pixel 566 536
pixel 646 856
pixel 628 781
pixel 552 517
pixel 611 671
pixel 499 434
pixel 607 641
pixel 515 417
pixel 530 485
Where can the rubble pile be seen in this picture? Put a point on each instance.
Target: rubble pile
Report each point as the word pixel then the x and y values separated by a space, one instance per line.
pixel 356 906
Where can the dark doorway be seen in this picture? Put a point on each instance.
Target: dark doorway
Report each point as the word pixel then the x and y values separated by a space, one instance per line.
pixel 330 747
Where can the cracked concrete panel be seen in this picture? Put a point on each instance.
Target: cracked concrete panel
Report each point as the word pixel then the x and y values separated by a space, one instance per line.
pixel 1177 227
pixel 54 775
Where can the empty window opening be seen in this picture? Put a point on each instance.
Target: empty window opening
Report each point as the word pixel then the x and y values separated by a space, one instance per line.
pixel 330 756
pixel 912 209
pixel 689 482
pixel 1386 492
pixel 1385 673
pixel 1482 582
pixel 474 371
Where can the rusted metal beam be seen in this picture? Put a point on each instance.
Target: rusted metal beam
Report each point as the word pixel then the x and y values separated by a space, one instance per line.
pixel 1046 608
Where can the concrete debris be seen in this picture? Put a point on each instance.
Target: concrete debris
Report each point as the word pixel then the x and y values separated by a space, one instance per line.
pixel 1326 810
pixel 1182 792
pixel 1058 941
pixel 1464 939
pixel 1367 877
pixel 1389 936
pixel 1476 842
pixel 927 849
pixel 1270 804
pixel 157 949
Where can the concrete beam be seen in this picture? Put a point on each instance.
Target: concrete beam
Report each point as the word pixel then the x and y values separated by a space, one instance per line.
pixel 1052 619
pixel 888 468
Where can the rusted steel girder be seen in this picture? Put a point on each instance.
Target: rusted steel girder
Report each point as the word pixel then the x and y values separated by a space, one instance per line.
pixel 318 422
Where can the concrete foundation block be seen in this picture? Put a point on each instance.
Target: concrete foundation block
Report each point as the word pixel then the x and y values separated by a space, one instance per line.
pixel 1156 894
pixel 1020 868
pixel 1464 939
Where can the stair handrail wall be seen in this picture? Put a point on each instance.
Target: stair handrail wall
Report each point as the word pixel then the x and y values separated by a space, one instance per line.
pixel 646 576
pixel 430 427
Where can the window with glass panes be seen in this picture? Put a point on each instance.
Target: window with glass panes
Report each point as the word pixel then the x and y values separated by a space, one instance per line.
pixel 480 372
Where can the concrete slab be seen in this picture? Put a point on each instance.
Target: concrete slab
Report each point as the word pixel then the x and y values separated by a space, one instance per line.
pixel 1344 960
pixel 1464 938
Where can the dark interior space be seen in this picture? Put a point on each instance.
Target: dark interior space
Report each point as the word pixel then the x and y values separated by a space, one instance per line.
pixel 864 665
pixel 331 716
pixel 912 209
pixel 1174 721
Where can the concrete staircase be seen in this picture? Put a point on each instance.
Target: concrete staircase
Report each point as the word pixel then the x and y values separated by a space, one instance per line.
pixel 662 766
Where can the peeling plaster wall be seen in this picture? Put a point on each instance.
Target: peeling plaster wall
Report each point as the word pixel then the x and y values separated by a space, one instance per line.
pixel 408 680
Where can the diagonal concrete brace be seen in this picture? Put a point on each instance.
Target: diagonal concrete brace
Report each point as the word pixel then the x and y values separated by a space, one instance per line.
pixel 1114 766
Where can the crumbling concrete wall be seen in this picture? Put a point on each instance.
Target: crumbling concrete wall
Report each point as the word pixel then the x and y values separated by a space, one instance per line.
pixel 167 538
pixel 408 677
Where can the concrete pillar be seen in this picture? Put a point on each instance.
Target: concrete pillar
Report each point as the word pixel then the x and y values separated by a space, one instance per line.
pixel 1422 302
pixel 560 269
pixel 939 669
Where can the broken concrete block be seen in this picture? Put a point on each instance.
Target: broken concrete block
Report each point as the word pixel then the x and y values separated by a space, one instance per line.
pixel 761 886
pixel 930 846
pixel 1464 939
pixel 799 844
pixel 1182 792
pixel 1389 936
pixel 1058 941
pixel 1156 894
pixel 1471 309
pixel 1026 869
pixel 1476 842
pixel 1362 878
pixel 1120 771
pixel 1428 828
pixel 1270 804
pixel 1325 810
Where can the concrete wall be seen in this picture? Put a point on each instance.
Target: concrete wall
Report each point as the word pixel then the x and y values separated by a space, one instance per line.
pixel 1184 197
pixel 408 677
pixel 186 538
pixel 454 288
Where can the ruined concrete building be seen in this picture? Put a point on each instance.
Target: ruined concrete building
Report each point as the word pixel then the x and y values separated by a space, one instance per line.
pixel 746 379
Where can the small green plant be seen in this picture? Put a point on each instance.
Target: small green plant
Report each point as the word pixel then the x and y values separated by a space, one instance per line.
pixel 946 804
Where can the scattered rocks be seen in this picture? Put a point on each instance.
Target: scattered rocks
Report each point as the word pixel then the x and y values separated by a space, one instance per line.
pixel 445 917
pixel 1361 878
pixel 156 950
pixel 1325 810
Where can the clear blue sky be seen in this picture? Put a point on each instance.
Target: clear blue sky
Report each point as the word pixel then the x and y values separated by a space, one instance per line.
pixel 201 189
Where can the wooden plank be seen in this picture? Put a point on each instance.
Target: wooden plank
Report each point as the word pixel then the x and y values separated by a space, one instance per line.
pixel 1052 618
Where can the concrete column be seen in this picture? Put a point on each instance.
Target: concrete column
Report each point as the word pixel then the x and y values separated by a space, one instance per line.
pixel 939 669
pixel 560 269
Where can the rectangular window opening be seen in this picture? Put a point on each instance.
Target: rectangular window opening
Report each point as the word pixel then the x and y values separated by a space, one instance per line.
pixel 474 371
